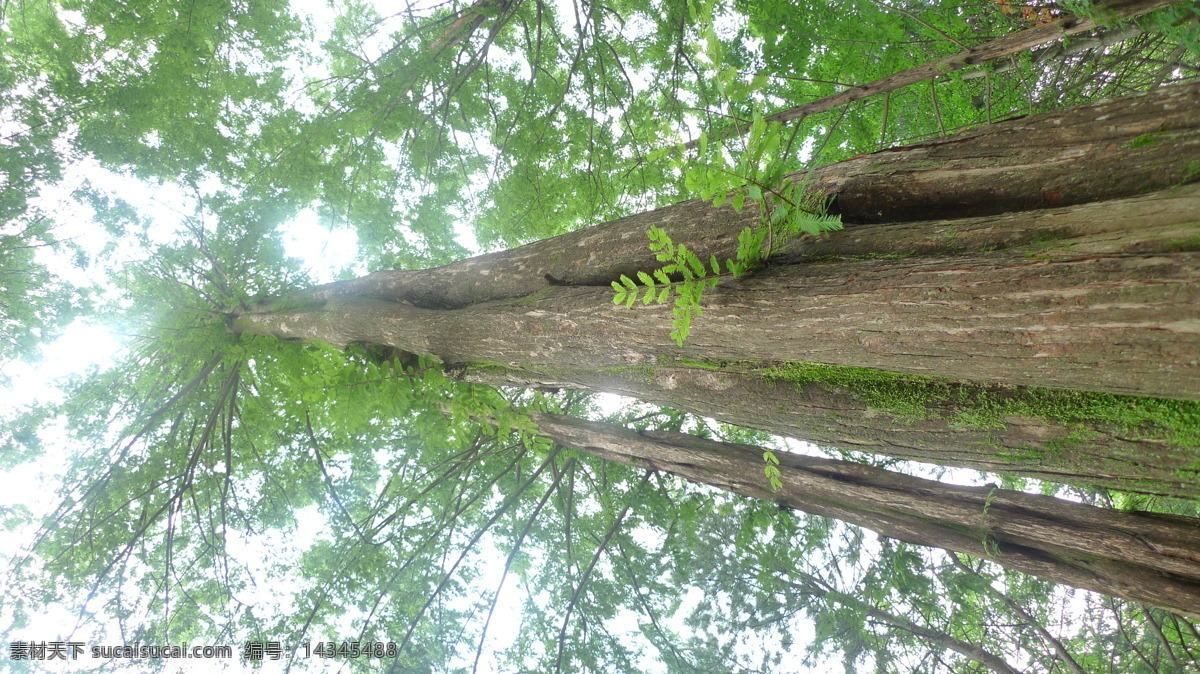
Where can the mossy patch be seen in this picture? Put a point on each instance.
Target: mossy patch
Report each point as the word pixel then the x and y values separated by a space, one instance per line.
pixel 644 372
pixel 1188 245
pixel 490 367
pixel 1145 140
pixel 919 397
pixel 700 364
pixel 1191 172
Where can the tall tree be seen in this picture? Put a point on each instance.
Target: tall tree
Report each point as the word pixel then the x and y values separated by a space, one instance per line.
pixel 1020 299
pixel 214 436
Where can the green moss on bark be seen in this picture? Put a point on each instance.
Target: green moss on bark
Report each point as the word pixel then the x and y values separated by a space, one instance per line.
pixel 918 397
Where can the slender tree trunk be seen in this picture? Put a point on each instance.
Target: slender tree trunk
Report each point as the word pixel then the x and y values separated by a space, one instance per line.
pixel 1098 297
pixel 1047 56
pixel 1144 557
pixel 1058 436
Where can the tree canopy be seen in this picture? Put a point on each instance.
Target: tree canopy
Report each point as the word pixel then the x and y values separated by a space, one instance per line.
pixel 271 484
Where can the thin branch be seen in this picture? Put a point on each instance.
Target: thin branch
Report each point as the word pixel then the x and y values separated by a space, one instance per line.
pixel 562 633
pixel 1008 45
pixel 1049 639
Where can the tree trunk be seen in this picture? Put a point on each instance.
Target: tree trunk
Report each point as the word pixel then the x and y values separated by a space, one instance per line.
pixel 1146 557
pixel 1059 436
pixel 1096 297
pixel 1115 323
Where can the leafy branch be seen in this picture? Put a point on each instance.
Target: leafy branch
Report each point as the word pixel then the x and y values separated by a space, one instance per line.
pixel 686 277
pixel 787 209
pixel 771 470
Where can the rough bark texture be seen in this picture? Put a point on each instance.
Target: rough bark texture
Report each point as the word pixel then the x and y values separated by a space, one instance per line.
pixel 1097 297
pixel 1099 321
pixel 1003 320
pixel 1114 148
pixel 1032 433
pixel 1144 557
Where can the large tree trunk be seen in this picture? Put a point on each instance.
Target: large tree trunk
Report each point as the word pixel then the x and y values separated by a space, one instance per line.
pixel 1146 557
pixel 1106 321
pixel 1098 297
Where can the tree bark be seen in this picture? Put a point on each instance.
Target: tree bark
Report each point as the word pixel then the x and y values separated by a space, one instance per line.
pixel 1031 434
pixel 1146 557
pixel 994 318
pixel 1095 297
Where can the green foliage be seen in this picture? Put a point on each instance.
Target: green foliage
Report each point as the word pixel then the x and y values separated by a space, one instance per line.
pixel 658 286
pixel 772 470
pixel 787 209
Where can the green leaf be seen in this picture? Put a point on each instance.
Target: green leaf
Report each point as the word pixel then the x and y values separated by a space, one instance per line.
pixel 628 282
pixel 645 279
pixel 662 277
pixel 716 266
